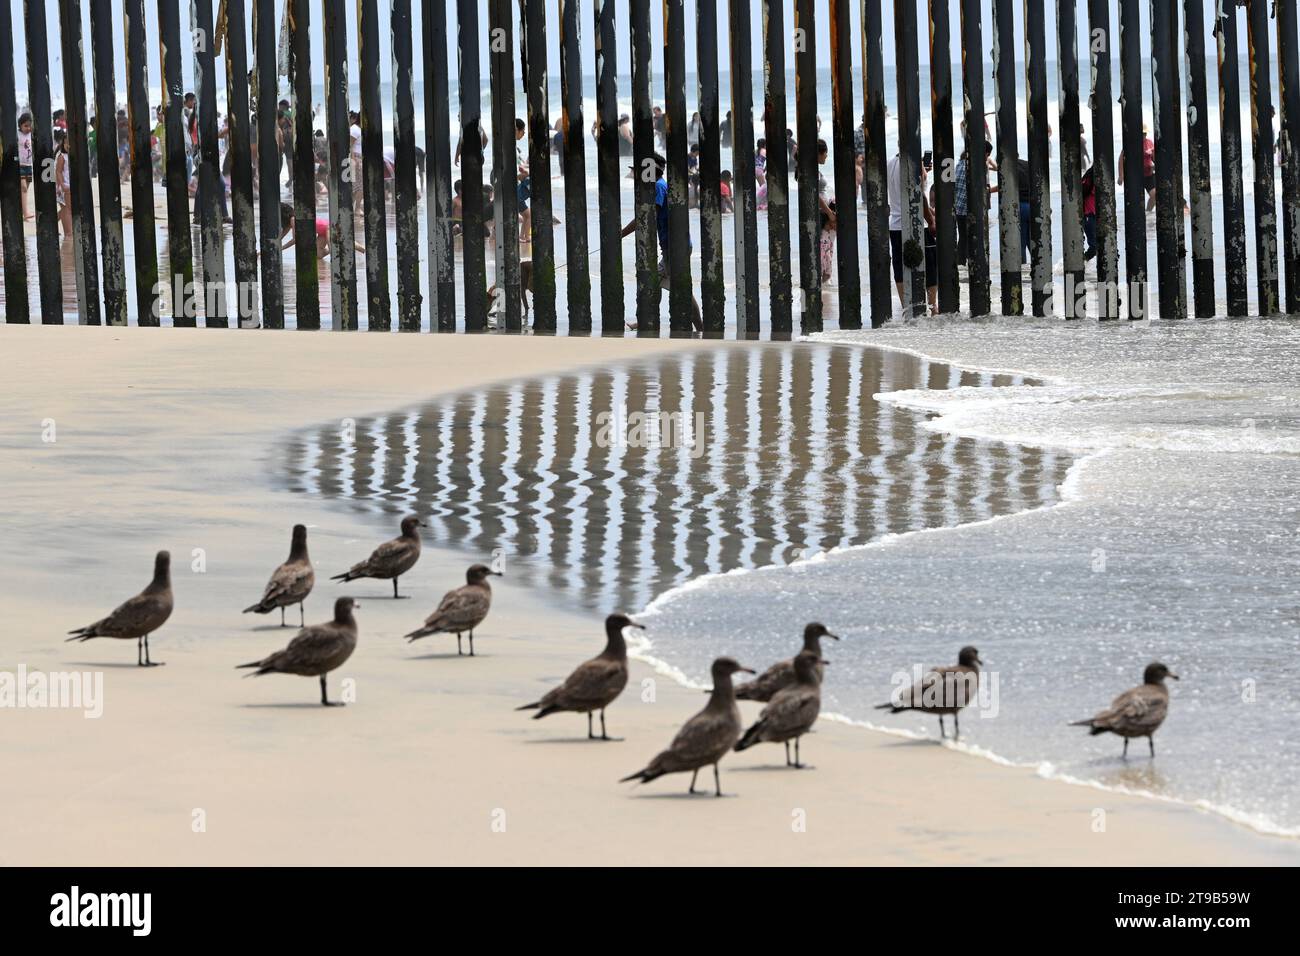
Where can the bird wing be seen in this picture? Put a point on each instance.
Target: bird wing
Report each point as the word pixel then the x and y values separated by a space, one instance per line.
pixel 792 711
pixel 463 606
pixel 703 736
pixel 313 646
pixel 290 582
pixel 135 616
pixel 1135 710
pixel 773 679
pixel 594 682
pixel 941 687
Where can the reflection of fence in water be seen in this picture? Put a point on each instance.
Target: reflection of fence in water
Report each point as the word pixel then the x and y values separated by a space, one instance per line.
pixel 796 458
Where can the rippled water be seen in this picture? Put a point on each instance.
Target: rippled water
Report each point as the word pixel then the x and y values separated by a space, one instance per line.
pixel 791 456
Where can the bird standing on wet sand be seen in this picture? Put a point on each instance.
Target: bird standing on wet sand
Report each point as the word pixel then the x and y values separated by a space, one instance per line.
pixel 782 675
pixel 291 582
pixel 595 683
pixel 792 710
pixel 1138 712
pixel 706 737
pixel 316 650
pixel 391 559
pixel 461 610
pixel 944 690
pixel 140 616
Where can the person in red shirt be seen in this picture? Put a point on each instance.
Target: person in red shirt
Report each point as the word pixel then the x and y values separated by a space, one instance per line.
pixel 1148 168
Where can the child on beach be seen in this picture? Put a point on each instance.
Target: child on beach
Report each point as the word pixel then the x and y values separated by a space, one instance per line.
pixel 724 183
pixel 826 204
pixel 322 232
pixel 25 158
pixel 1089 185
pixel 63 181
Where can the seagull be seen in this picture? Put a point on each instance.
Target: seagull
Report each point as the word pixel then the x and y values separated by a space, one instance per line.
pixel 462 609
pixel 595 684
pixel 316 650
pixel 391 559
pixel 782 675
pixel 944 690
pixel 706 737
pixel 1138 712
pixel 792 710
pixel 291 582
pixel 140 616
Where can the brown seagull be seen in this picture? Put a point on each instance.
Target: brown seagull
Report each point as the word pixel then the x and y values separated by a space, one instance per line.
pixel 595 684
pixel 291 582
pixel 1138 712
pixel 782 675
pixel 792 710
pixel 462 609
pixel 391 559
pixel 140 616
pixel 316 650
pixel 706 737
pixel 944 690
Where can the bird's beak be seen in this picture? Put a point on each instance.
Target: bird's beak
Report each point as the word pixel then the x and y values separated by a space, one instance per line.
pixel 356 604
pixel 825 663
pixel 499 574
pixel 1173 675
pixel 640 627
pixel 832 636
pixel 422 524
pixel 748 670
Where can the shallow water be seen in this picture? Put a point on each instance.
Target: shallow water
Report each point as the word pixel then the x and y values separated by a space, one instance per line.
pixel 787 454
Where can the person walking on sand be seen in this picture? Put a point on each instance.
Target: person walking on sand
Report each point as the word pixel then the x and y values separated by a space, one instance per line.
pixel 661 223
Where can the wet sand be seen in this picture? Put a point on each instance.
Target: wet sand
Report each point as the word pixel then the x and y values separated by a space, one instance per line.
pixel 164 439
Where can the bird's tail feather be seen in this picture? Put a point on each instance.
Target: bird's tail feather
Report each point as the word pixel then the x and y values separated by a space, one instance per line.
pixel 345 576
pixel 641 776
pixel 257 608
pixel 892 708
pixel 417 634
pixel 532 706
pixel 750 737
pixel 79 635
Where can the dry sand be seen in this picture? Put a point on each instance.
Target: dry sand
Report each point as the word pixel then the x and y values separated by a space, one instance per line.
pixel 163 439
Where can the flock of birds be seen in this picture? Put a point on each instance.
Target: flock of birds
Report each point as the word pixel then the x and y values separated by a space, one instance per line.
pixel 790 689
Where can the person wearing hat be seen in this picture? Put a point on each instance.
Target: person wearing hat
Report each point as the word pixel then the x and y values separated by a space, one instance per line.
pixel 661 222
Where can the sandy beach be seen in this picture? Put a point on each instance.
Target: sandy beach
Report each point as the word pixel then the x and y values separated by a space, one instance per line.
pixel 161 440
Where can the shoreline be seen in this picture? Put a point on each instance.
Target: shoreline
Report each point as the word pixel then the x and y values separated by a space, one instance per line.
pixel 427 755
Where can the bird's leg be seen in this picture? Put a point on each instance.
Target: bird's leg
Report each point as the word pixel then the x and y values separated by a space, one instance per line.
pixel 282 624
pixel 797 764
pixel 471 642
pixel 147 662
pixel 956 724
pixel 139 645
pixel 942 732
pixel 302 615
pixel 1124 755
pixel 603 735
pixel 458 650
pixel 717 782
pixel 395 587
pixel 787 753
pixel 695 774
pixel 323 698
pixel 1151 742
pixel 590 734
